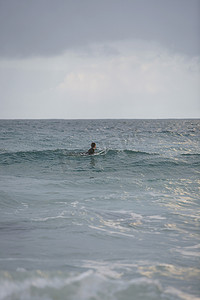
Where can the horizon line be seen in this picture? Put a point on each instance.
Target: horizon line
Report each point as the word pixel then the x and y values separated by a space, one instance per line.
pixel 71 119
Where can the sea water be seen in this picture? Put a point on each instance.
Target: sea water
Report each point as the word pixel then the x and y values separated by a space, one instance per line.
pixel 120 224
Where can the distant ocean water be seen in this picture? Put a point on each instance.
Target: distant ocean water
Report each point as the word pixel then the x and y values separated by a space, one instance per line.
pixel 121 224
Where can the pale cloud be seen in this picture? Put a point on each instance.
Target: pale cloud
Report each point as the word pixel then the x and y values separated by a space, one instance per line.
pixel 129 79
pixel 90 82
pixel 144 82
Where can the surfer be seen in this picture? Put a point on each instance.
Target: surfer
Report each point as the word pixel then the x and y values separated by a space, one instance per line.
pixel 91 150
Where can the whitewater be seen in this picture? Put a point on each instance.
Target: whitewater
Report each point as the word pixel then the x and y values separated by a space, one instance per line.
pixel 120 224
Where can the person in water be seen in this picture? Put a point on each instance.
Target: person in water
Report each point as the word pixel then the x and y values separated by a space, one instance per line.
pixel 91 150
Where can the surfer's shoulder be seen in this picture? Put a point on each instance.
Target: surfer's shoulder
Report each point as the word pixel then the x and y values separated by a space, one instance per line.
pixel 90 151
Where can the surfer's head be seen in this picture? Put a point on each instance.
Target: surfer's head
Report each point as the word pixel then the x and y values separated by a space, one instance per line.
pixel 93 145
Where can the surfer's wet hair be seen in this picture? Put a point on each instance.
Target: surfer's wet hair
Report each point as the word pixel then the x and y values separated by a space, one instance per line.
pixel 93 145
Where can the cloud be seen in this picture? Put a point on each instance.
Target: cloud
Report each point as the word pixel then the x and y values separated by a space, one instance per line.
pixel 133 79
pixel 87 82
pixel 49 27
pixel 136 80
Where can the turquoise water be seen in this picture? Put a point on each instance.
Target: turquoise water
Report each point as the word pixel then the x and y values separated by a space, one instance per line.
pixel 121 224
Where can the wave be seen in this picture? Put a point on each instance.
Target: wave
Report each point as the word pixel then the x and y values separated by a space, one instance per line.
pixel 23 284
pixel 129 152
pixel 176 133
pixel 34 155
pixel 132 157
pixel 51 285
pixel 191 154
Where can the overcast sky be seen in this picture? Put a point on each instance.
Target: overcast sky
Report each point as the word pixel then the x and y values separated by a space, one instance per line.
pixel 99 59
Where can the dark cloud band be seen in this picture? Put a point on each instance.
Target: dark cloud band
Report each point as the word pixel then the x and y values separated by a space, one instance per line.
pixel 49 27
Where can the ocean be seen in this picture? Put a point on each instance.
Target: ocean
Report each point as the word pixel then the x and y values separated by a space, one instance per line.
pixel 120 224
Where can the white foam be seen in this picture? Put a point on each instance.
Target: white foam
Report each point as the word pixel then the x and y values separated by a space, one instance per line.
pixel 111 232
pixel 61 216
pixel 102 281
pixel 180 294
pixel 188 253
pixel 157 217
pixel 9 288
pixel 84 286
pixel 193 247
pixel 21 270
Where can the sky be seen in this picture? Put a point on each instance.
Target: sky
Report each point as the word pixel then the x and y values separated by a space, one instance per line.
pixel 91 59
